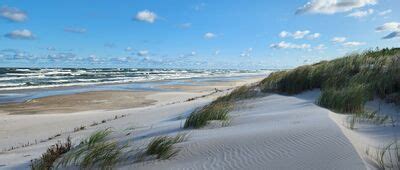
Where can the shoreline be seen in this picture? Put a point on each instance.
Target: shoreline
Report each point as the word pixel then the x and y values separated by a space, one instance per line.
pixel 86 101
pixel 20 96
pixel 22 129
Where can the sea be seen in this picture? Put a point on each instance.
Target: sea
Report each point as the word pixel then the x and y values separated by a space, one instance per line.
pixel 21 84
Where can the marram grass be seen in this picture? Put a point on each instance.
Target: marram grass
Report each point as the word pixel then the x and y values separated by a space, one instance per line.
pixel 95 151
pixel 346 83
pixel 219 108
pixel 214 111
pixel 163 147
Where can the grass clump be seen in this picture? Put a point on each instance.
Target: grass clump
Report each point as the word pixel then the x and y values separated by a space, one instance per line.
pixel 163 147
pixel 219 108
pixel 367 116
pixel 243 92
pixel 346 100
pixel 213 111
pixel 53 153
pixel 94 151
pixel 373 73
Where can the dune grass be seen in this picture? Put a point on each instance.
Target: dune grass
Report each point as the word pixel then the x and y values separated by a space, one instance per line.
pixel 95 151
pixel 345 100
pixel 163 147
pixel 214 111
pixel 368 117
pixel 219 108
pixel 54 152
pixel 386 157
pixel 359 77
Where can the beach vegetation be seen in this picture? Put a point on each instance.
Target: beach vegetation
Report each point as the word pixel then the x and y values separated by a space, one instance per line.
pixel 163 147
pixel 346 83
pixel 386 157
pixel 219 108
pixel 54 152
pixel 214 111
pixel 94 151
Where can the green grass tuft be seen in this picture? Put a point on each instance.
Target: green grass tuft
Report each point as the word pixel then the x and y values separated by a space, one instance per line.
pixel 163 147
pixel 219 108
pixel 95 151
pixel 213 111
pixel 346 100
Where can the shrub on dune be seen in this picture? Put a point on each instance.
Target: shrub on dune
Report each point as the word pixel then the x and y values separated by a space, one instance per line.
pixel 53 153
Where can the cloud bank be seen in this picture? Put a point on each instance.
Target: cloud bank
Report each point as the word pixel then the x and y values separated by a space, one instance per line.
pixel 13 14
pixel 333 6
pixel 23 34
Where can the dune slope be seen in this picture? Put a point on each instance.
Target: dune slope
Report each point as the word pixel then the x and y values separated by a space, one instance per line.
pixel 272 132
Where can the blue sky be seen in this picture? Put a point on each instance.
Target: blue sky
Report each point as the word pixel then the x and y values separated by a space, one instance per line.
pixel 237 34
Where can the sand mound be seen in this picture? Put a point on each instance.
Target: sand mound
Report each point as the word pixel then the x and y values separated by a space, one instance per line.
pixel 273 132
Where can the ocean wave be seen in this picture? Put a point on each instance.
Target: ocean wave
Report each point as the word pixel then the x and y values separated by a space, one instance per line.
pixel 31 78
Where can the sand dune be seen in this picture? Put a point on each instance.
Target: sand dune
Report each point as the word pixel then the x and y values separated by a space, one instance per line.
pixel 273 132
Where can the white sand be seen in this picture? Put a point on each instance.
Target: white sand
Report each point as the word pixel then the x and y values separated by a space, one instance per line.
pixel 367 136
pixel 273 132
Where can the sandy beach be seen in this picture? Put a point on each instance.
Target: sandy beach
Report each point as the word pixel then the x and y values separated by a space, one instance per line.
pixel 28 128
pixel 273 132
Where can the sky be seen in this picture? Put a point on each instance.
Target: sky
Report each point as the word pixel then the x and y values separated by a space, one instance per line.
pixel 200 34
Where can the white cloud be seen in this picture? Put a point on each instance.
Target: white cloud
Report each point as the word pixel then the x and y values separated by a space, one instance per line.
pixel 284 34
pixel 320 47
pixel 146 16
pixel 361 14
pixel 209 35
pixel 314 36
pixel 383 13
pixel 285 45
pixel 338 39
pixel 75 30
pixel 247 52
pixel 23 34
pixel 13 14
pixel 390 26
pixel 393 27
pixel 217 52
pixel 93 58
pixel 200 6
pixel 143 53
pixel 127 49
pixel 333 6
pixel 353 44
pixel 299 34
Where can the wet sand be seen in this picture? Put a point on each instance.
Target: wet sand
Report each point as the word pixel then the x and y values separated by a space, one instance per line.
pixel 99 100
pixel 111 99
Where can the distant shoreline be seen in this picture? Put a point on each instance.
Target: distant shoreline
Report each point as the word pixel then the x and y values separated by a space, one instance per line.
pixel 23 95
